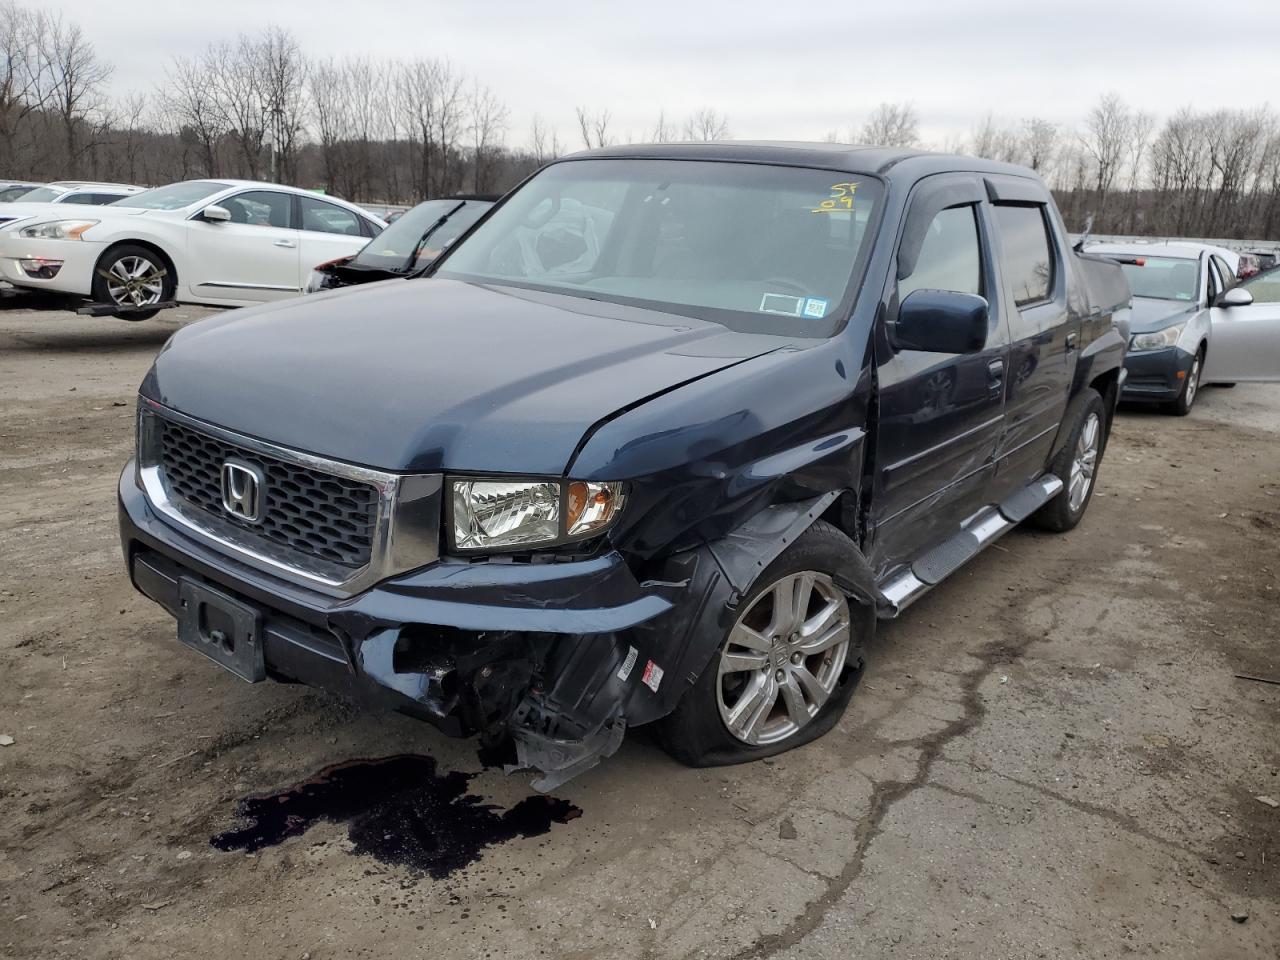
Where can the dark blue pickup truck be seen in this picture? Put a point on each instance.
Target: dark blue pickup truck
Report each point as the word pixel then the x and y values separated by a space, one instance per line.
pixel 658 440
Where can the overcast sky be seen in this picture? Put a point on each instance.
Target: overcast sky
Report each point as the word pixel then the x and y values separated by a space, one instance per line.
pixel 787 69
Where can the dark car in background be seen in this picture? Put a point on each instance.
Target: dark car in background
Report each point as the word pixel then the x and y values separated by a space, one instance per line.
pixel 657 441
pixel 412 242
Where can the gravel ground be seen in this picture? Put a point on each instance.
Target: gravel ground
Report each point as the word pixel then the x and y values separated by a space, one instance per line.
pixel 1050 755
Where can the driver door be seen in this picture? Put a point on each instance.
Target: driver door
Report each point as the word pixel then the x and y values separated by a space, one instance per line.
pixel 252 258
pixel 1244 343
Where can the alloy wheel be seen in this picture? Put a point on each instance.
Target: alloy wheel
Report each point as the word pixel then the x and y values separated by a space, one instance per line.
pixel 1085 463
pixel 1193 381
pixel 783 658
pixel 134 282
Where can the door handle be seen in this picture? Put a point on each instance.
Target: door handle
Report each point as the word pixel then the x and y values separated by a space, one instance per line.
pixel 1072 340
pixel 285 243
pixel 995 370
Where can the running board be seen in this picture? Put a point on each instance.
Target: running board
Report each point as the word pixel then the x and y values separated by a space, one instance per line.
pixel 904 588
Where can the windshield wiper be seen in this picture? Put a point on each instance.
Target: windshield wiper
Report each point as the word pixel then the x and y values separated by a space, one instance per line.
pixel 426 235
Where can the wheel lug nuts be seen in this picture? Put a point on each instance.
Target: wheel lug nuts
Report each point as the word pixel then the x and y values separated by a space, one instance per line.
pixel 796 657
pixel 779 676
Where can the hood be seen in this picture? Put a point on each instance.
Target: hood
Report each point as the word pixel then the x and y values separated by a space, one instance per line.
pixel 429 375
pixel 24 211
pixel 1152 314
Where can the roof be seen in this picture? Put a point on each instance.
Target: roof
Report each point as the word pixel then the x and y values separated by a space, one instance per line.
pixel 889 162
pixel 1182 249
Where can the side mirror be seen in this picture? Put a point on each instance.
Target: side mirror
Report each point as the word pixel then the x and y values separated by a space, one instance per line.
pixel 940 321
pixel 1235 297
pixel 216 214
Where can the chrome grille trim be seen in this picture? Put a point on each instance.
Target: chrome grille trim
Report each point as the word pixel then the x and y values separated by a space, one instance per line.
pixel 406 533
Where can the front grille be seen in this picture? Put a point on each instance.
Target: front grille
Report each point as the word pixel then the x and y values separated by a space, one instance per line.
pixel 308 511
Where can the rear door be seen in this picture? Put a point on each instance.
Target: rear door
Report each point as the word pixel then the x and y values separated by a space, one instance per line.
pixel 328 232
pixel 1245 340
pixel 254 257
pixel 941 415
pixel 1043 334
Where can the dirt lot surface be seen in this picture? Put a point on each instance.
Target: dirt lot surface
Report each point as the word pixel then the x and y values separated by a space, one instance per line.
pixel 1049 756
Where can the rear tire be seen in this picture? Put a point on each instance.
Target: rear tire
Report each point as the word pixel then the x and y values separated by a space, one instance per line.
pixel 132 276
pixel 785 670
pixel 1076 465
pixel 1190 386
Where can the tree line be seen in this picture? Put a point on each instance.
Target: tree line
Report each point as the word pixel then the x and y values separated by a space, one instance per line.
pixel 398 131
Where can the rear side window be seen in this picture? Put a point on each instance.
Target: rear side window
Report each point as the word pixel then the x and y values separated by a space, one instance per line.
pixel 96 199
pixel 950 257
pixel 321 217
pixel 1028 258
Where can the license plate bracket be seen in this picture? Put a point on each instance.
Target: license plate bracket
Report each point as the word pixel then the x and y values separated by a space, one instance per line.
pixel 222 628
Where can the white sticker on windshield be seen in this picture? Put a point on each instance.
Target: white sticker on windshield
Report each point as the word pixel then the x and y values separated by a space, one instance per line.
pixel 781 303
pixel 815 307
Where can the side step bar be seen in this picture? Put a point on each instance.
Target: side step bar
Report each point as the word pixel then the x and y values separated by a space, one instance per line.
pixel 904 588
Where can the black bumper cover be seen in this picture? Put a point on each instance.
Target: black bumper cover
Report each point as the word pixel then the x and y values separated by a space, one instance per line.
pixel 1153 374
pixel 561 656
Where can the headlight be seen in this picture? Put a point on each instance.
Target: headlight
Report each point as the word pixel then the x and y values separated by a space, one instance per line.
pixel 57 230
pixel 1157 339
pixel 496 514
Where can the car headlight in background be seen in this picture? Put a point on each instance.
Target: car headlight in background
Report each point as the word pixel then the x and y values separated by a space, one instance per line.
pixel 57 230
pixel 504 514
pixel 1157 339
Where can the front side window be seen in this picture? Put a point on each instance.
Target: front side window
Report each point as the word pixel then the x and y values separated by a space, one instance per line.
pixel 13 193
pixel 260 208
pixel 95 199
pixel 174 196
pixel 950 257
pixel 754 247
pixel 321 217
pixel 1028 257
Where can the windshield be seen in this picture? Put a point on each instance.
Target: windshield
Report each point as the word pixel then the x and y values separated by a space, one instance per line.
pixel 391 249
pixel 1160 278
pixel 42 195
pixel 757 248
pixel 175 196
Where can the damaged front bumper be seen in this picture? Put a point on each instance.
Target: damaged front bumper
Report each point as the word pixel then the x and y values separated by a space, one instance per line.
pixel 560 657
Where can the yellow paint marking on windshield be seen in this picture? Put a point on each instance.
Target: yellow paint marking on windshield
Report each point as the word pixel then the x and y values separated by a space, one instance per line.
pixel 840 201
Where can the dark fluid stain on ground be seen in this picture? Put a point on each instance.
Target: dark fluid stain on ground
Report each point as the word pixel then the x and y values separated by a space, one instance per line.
pixel 400 811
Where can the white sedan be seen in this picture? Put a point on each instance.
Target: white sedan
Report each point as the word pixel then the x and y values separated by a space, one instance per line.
pixel 220 242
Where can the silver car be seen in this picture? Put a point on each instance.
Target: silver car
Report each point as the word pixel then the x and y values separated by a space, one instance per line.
pixel 1194 322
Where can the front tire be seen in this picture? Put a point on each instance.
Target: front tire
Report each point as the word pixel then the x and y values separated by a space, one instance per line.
pixel 1190 387
pixel 133 277
pixel 1076 465
pixel 786 667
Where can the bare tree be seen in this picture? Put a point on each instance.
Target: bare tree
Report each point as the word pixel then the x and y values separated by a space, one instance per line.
pixel 77 82
pixel 545 142
pixel 594 128
pixel 23 89
pixel 1040 144
pixel 194 110
pixel 488 122
pixel 706 124
pixel 663 131
pixel 892 125
pixel 1108 130
pixel 279 79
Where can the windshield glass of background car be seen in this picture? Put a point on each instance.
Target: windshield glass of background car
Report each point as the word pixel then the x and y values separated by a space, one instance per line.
pixel 41 195
pixel 390 250
pixel 1163 278
pixel 757 248
pixel 1265 287
pixel 175 196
